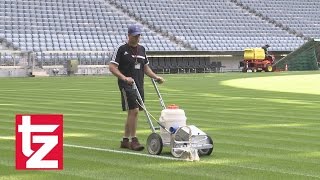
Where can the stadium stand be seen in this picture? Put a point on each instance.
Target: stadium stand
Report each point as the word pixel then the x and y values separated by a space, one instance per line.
pixel 211 25
pixel 96 25
pixel 60 25
pixel 301 17
pixel 52 32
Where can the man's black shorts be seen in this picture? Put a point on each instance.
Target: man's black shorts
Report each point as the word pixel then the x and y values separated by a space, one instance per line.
pixel 129 98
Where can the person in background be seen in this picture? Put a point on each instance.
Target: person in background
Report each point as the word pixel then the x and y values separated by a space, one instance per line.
pixel 265 48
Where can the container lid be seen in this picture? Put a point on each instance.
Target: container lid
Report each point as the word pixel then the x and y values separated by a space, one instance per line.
pixel 173 106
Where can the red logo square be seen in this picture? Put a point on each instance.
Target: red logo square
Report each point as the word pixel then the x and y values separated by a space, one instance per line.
pixel 39 142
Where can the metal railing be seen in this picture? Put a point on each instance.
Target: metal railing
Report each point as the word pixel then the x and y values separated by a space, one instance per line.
pixel 49 58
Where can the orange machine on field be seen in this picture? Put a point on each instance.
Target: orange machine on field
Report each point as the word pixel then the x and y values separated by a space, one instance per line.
pixel 256 60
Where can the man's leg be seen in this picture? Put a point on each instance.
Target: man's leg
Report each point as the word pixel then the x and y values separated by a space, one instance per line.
pixel 130 127
pixel 131 124
pixel 129 103
pixel 124 100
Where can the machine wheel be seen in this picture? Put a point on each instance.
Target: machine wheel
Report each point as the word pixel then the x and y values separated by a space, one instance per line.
pixel 254 70
pixel 202 152
pixel 154 144
pixel 269 68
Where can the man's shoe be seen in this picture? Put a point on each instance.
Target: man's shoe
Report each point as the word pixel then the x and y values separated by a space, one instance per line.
pixel 125 143
pixel 135 145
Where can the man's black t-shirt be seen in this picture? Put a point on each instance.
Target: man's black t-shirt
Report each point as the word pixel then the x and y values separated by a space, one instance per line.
pixel 131 61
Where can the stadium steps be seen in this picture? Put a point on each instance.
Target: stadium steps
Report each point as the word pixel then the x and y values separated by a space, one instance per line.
pixel 160 32
pixel 6 45
pixel 270 20
pixel 2 46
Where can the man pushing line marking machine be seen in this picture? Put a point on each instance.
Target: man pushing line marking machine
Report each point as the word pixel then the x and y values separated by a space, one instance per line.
pixel 185 141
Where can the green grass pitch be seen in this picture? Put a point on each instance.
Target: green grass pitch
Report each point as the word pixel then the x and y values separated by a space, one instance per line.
pixel 264 125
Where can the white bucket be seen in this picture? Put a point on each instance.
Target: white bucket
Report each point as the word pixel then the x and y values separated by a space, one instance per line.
pixel 171 117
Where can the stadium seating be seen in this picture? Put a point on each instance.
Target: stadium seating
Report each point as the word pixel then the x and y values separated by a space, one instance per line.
pixel 211 25
pixel 55 25
pixel 100 25
pixel 301 16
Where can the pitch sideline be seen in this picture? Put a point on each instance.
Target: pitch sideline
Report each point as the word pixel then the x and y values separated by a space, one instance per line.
pixel 122 152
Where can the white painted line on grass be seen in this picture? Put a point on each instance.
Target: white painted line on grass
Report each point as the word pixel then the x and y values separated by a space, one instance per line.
pixel 122 152
pixel 108 150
